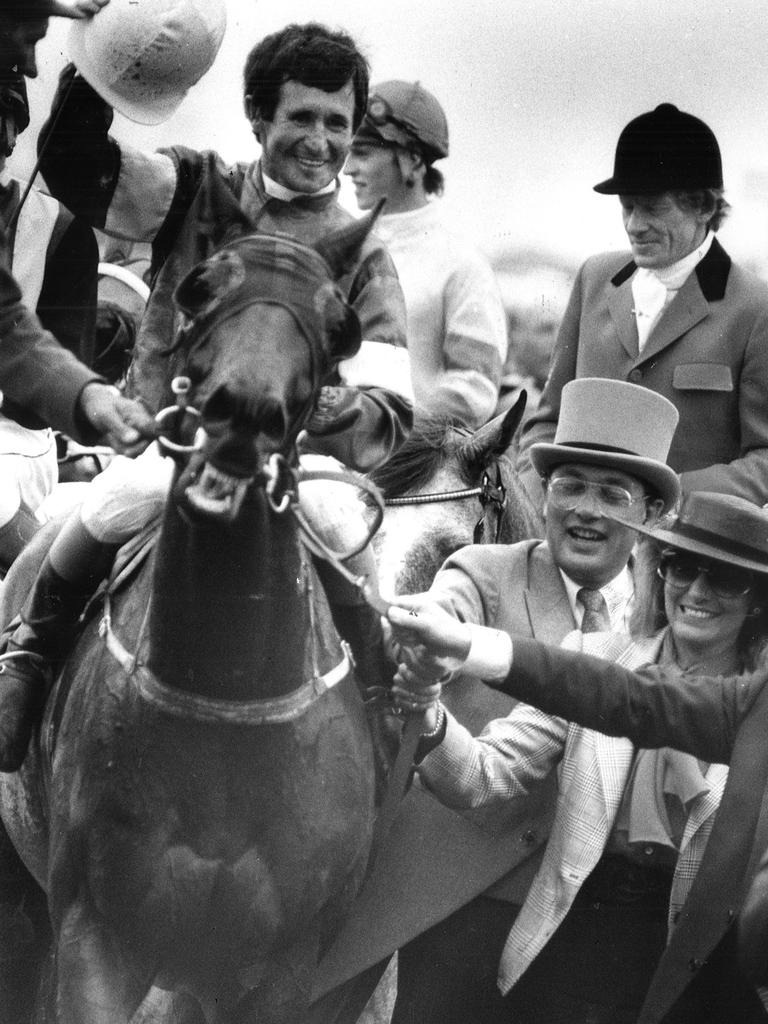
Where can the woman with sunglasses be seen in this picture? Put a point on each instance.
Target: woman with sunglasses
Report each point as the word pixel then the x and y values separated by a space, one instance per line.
pixel 634 816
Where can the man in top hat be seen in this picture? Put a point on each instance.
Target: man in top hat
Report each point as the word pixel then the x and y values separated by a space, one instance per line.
pixel 42 383
pixel 607 459
pixel 675 315
pixel 456 332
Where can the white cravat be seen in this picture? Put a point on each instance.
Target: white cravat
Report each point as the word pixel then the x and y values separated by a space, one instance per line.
pixel 650 297
pixel 652 290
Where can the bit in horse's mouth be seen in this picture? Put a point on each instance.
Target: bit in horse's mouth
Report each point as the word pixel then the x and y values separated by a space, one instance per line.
pixel 216 493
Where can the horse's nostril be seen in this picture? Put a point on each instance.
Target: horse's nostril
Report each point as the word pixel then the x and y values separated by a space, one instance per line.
pixel 272 421
pixel 220 406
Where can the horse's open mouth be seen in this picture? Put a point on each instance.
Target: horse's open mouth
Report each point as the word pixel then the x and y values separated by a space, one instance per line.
pixel 215 493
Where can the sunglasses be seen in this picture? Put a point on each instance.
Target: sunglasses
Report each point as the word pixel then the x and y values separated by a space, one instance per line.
pixel 680 571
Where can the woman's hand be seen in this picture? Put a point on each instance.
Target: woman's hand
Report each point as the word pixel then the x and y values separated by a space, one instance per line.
pixel 428 641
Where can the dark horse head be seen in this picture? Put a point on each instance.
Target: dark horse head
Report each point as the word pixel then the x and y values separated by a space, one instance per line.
pixel 255 396
pixel 265 324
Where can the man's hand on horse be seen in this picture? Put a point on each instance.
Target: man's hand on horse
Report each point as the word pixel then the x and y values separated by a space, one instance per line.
pixel 78 9
pixel 122 423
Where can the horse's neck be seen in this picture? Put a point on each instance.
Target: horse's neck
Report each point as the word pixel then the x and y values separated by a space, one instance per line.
pixel 228 616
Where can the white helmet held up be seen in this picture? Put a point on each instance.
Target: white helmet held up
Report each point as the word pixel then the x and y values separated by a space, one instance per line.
pixel 142 56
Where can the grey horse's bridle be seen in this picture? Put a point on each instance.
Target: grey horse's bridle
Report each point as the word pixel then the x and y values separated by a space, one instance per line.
pixel 492 496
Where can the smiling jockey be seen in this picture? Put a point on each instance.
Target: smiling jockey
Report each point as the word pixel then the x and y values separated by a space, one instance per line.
pixel 306 90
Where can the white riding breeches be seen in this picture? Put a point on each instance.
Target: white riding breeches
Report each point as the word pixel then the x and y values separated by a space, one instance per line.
pixel 124 498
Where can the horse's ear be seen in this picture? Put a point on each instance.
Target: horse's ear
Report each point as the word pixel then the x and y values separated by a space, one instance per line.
pixel 495 437
pixel 208 283
pixel 341 248
pixel 342 326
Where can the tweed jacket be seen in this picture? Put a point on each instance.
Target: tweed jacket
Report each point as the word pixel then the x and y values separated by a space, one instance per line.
pixel 708 354
pixel 37 375
pixel 514 587
pixel 441 858
pixel 710 718
pixel 517 751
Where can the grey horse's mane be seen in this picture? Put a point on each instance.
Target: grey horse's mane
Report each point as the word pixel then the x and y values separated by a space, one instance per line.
pixel 433 442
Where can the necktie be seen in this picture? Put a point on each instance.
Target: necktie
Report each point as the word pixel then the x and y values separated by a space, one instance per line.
pixel 650 296
pixel 595 611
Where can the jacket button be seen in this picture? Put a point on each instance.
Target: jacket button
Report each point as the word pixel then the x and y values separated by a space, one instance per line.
pixel 695 964
pixel 529 837
pixel 635 375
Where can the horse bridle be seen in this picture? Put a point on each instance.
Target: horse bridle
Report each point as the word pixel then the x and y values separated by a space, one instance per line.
pixel 492 497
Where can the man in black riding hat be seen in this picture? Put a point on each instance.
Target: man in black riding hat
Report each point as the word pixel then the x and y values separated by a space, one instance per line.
pixel 675 315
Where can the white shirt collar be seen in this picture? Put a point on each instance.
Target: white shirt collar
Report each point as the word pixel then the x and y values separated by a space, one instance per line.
pixel 277 191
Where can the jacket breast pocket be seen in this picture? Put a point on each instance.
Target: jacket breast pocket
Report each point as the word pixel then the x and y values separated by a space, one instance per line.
pixel 702 377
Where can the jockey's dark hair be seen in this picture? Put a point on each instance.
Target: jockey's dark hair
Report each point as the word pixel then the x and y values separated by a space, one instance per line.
pixel 310 54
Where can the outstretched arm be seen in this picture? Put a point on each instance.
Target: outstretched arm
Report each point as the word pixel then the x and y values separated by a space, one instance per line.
pixel 654 706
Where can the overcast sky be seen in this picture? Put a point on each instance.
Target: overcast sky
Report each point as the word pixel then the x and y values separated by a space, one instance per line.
pixel 536 93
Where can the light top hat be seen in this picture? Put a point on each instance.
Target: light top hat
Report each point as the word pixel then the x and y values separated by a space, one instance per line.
pixel 606 422
pixel 142 56
pixel 717 526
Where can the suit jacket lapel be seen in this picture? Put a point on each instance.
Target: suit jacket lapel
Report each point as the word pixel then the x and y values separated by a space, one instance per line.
pixel 687 308
pixel 620 303
pixel 691 304
pixel 549 609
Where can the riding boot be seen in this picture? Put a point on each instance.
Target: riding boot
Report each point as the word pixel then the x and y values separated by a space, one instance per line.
pixel 38 639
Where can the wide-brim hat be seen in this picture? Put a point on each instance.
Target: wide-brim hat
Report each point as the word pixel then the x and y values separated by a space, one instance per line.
pixel 606 422
pixel 664 150
pixel 717 526
pixel 143 56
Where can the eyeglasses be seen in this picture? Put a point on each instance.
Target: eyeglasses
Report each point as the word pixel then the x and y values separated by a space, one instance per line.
pixel 680 571
pixel 568 492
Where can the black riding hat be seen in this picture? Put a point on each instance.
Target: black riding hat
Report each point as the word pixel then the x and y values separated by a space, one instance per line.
pixel 665 150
